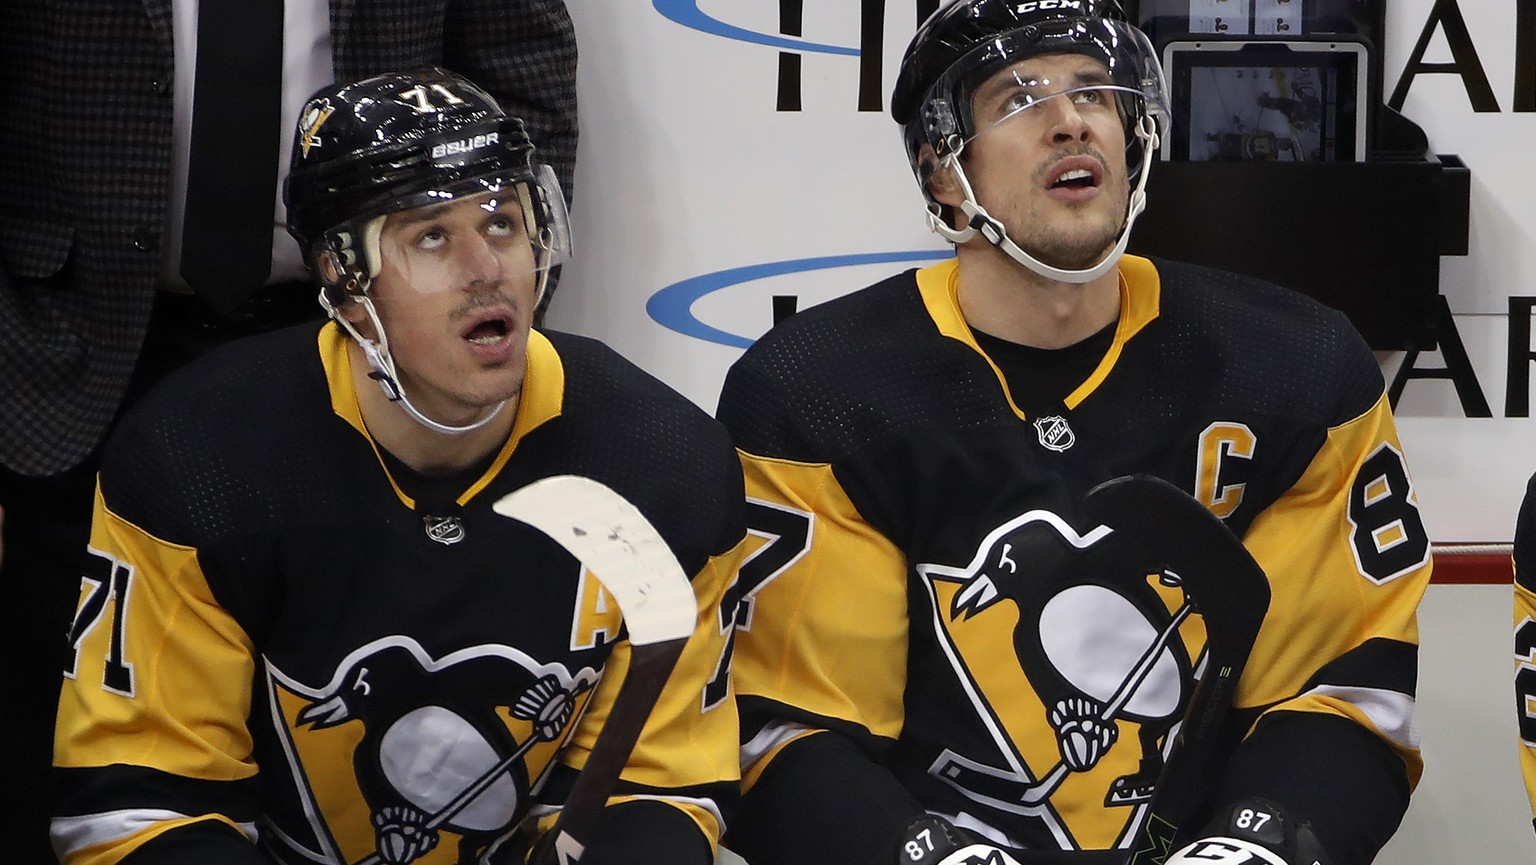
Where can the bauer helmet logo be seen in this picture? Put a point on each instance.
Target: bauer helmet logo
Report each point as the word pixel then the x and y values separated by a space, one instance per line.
pixel 1054 433
pixel 314 116
pixel 464 145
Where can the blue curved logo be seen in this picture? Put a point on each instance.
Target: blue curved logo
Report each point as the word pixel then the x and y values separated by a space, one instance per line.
pixel 688 14
pixel 672 306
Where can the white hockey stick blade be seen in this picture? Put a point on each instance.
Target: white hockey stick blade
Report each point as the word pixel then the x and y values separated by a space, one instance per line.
pixel 616 542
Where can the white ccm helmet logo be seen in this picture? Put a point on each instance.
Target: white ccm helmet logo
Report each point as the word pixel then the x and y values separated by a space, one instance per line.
pixel 1042 5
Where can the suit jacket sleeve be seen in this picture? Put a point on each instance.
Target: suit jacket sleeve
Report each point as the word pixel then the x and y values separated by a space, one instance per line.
pixel 524 54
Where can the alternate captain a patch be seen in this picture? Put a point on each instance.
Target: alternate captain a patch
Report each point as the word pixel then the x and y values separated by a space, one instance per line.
pixel 1077 724
pixel 443 751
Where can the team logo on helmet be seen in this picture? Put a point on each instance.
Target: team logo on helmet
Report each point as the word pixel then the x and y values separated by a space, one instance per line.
pixel 1054 433
pixel 445 530
pixel 314 116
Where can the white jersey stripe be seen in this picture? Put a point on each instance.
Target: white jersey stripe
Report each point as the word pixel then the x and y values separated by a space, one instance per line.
pixel 1393 713
pixel 75 833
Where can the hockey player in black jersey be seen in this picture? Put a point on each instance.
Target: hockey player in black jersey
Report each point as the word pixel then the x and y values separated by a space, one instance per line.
pixel 1524 561
pixel 305 635
pixel 936 646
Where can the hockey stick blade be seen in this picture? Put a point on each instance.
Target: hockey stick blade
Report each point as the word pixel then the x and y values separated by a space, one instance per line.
pixel 619 545
pixel 1230 591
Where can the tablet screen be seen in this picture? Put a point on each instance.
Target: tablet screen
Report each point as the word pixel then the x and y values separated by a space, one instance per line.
pixel 1266 101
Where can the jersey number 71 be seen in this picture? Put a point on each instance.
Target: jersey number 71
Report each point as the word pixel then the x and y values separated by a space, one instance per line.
pixel 105 579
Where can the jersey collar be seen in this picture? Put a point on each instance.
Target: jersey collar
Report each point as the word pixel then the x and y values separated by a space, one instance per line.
pixel 542 398
pixel 1140 298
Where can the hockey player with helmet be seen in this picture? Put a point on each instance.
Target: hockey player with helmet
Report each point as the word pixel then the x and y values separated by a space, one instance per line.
pixel 1524 561
pixel 940 656
pixel 305 636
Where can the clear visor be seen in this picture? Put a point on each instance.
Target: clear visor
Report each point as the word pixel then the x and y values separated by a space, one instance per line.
pixel 1017 94
pixel 477 229
pixel 1125 73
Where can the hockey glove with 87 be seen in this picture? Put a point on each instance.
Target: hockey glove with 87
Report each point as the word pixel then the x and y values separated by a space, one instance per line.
pixel 1253 831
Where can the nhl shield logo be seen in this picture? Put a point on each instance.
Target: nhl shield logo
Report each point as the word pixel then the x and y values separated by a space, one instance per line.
pixel 1054 433
pixel 445 530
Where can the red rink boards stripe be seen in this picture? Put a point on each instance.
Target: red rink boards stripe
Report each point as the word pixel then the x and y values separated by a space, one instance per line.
pixel 1473 569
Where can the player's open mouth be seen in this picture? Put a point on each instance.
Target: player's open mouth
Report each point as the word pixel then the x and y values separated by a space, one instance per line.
pixel 1076 172
pixel 489 331
pixel 1077 178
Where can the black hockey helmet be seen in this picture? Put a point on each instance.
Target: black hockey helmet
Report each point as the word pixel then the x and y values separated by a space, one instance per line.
pixel 965 42
pixel 399 141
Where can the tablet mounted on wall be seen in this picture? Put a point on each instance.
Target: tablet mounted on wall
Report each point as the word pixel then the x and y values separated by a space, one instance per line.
pixel 1279 101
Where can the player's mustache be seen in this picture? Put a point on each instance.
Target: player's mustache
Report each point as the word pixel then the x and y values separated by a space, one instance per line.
pixel 1072 150
pixel 475 301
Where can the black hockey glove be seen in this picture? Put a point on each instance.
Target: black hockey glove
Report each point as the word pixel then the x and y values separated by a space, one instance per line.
pixel 933 841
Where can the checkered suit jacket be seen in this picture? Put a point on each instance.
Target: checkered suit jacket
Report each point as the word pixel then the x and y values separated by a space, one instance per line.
pixel 85 134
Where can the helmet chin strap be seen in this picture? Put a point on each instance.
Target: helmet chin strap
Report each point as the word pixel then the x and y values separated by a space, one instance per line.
pixel 383 365
pixel 982 222
pixel 379 358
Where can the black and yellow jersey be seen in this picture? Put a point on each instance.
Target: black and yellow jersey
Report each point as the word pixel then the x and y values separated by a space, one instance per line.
pixel 283 633
pixel 1525 637
pixel 922 580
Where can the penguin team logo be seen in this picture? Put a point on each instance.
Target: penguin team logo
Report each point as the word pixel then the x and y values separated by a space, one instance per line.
pixel 1103 672
pixel 314 116
pixel 437 748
